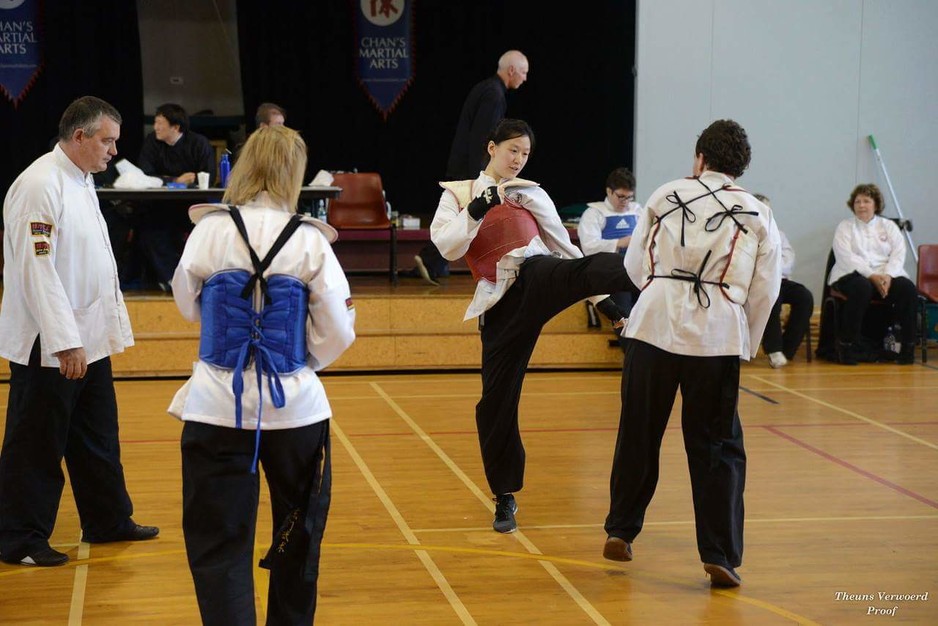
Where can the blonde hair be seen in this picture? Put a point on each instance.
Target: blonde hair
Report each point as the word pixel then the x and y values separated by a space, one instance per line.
pixel 272 160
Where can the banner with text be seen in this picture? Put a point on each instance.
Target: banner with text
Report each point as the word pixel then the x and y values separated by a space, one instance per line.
pixel 20 58
pixel 383 45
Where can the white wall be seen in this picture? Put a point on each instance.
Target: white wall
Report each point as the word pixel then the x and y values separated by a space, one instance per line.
pixel 197 41
pixel 809 80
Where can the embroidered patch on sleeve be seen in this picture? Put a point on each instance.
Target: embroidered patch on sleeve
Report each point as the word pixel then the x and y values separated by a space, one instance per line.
pixel 348 304
pixel 40 229
pixel 43 248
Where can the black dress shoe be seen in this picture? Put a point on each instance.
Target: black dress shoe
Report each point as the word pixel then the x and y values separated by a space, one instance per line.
pixel 722 575
pixel 42 557
pixel 906 355
pixel 135 532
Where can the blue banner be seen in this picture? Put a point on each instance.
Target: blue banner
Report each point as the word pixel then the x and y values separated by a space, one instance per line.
pixel 20 58
pixel 383 45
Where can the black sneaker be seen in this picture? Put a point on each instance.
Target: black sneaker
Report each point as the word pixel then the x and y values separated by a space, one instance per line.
pixel 722 575
pixel 130 532
pixel 847 354
pixel 505 509
pixel 42 557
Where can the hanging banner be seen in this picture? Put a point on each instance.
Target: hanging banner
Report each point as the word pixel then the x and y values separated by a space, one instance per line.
pixel 20 59
pixel 384 47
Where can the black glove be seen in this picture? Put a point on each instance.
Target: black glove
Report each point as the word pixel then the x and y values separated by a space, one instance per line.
pixel 481 205
pixel 610 309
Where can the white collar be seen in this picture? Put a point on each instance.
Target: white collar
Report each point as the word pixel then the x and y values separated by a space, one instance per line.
pixel 69 166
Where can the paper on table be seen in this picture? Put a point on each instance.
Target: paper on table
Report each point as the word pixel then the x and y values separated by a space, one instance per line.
pixel 132 177
pixel 322 179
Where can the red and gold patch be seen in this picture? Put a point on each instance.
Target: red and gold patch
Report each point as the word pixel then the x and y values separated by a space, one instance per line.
pixel 43 248
pixel 348 304
pixel 40 229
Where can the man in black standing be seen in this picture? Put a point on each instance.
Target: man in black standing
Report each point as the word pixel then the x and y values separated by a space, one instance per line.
pixel 484 108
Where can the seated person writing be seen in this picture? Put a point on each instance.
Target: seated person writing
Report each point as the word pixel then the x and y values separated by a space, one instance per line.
pixel 607 226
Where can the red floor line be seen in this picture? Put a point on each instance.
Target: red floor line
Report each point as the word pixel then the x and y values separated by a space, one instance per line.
pixel 853 468
pixel 826 424
pixel 466 433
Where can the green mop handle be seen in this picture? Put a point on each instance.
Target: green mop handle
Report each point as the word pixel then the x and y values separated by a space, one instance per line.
pixel 895 199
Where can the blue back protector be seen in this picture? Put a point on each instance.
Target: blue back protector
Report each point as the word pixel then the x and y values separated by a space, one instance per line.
pixel 234 333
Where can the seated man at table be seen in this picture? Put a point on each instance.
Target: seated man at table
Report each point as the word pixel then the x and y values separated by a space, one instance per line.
pixel 175 154
pixel 270 114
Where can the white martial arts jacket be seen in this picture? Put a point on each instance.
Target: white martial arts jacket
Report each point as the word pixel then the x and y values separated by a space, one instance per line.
pixel 682 316
pixel 599 222
pixel 453 229
pixel 874 247
pixel 59 278
pixel 214 246
pixel 788 256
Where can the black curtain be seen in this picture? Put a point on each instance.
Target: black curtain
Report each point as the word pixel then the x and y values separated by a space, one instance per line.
pixel 578 98
pixel 88 48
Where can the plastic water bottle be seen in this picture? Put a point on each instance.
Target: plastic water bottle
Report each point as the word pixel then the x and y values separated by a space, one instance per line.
pixel 890 342
pixel 224 169
pixel 321 214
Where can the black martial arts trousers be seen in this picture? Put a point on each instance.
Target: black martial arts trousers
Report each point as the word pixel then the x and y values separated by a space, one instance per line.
pixel 50 417
pixel 220 497
pixel 860 293
pixel 801 304
pixel 713 440
pixel 545 286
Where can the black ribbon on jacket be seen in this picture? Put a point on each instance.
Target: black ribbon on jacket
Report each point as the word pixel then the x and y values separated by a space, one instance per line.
pixel 703 298
pixel 687 216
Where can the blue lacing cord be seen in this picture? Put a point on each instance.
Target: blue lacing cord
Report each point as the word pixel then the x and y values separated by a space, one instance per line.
pixel 263 364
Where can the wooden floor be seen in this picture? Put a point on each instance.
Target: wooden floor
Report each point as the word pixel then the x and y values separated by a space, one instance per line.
pixel 841 498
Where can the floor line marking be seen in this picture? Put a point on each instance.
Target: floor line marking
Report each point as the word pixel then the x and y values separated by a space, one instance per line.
pixel 417 396
pixel 261 582
pixel 690 522
pixel 853 468
pixel 759 395
pixel 552 561
pixel 862 418
pixel 458 607
pixel 561 580
pixel 80 584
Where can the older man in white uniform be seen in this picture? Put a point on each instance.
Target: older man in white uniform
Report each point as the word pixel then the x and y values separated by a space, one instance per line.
pixel 62 317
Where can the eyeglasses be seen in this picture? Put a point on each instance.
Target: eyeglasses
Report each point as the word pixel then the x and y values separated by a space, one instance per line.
pixel 624 197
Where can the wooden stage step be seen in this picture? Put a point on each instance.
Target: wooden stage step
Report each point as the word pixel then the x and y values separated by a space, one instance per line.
pixel 414 326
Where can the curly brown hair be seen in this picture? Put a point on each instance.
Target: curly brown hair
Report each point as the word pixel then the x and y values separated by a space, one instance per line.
pixel 870 190
pixel 725 148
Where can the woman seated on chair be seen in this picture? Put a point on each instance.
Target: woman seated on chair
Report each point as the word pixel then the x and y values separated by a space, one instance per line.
pixel 869 265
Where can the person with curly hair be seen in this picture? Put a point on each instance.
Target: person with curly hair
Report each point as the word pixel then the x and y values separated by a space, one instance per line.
pixel 869 264
pixel 707 256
